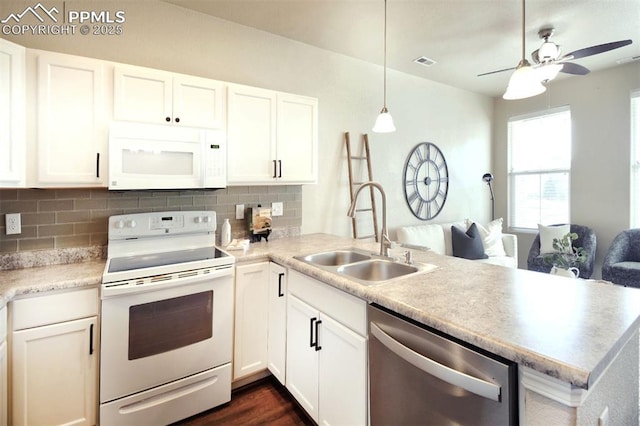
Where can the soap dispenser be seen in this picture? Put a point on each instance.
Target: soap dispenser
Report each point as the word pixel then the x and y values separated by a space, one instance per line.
pixel 225 238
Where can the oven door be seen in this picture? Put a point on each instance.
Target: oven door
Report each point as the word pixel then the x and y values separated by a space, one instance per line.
pixel 153 337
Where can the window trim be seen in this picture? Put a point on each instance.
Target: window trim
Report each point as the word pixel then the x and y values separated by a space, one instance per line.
pixel 634 158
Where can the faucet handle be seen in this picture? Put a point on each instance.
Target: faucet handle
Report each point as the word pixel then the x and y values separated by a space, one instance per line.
pixel 408 257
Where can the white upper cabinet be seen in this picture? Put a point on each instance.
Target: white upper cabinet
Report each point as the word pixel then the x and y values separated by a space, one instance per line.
pixel 272 137
pixel 251 150
pixel 152 96
pixel 12 115
pixel 72 125
pixel 297 136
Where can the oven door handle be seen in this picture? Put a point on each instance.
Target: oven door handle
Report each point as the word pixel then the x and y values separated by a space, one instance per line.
pixel 160 282
pixel 457 378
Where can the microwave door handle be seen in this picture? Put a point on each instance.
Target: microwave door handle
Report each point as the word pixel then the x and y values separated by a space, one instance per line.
pixel 472 384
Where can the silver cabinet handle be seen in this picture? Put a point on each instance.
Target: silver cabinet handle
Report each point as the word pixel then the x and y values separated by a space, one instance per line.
pixel 472 384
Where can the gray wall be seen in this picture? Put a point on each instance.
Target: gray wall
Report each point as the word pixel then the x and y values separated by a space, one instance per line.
pixel 164 36
pixel 600 163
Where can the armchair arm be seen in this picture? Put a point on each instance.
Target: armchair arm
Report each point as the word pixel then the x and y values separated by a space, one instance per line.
pixel 510 243
pixel 617 251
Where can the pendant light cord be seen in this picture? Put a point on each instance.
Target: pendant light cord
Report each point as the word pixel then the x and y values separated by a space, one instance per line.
pixel 385 57
pixel 523 18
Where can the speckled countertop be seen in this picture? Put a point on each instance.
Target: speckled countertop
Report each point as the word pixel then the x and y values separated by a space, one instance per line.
pixel 565 328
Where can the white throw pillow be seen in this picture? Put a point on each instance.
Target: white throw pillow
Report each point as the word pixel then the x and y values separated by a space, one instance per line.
pixel 547 235
pixel 491 237
pixel 430 236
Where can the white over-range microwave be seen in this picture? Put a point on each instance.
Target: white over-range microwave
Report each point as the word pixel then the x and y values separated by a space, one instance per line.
pixel 153 156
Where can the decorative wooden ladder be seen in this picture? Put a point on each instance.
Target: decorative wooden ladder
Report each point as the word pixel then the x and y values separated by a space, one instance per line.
pixel 353 184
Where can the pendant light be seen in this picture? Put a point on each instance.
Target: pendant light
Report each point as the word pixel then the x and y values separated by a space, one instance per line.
pixel 525 81
pixel 384 122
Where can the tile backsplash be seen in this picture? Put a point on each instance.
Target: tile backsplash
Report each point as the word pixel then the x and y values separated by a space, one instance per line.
pixel 71 218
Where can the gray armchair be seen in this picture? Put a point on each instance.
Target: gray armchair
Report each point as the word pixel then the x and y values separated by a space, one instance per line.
pixel 586 240
pixel 622 261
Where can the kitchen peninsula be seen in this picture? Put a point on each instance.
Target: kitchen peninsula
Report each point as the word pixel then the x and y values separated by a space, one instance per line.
pixel 575 341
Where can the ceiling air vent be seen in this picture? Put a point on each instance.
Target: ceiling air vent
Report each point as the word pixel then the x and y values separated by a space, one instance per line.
pixel 423 60
pixel 627 60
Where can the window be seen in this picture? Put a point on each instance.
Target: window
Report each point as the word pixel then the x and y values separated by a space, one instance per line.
pixel 635 159
pixel 539 168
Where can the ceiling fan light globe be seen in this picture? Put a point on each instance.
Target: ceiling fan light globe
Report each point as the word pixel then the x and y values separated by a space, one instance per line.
pixel 384 122
pixel 548 72
pixel 524 83
pixel 548 52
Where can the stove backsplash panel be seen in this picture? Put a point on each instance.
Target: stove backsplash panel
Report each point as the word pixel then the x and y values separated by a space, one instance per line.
pixel 68 225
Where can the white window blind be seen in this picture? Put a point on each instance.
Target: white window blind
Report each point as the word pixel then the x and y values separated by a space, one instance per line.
pixel 635 159
pixel 539 168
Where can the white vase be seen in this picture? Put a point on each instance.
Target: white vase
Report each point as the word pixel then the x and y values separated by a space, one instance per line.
pixel 570 273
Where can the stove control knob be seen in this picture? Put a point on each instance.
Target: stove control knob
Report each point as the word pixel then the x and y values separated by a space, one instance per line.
pixel 131 224
pixel 198 219
pixel 207 219
pixel 119 224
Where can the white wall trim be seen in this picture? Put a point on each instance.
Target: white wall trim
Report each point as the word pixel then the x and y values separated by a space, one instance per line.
pixel 552 388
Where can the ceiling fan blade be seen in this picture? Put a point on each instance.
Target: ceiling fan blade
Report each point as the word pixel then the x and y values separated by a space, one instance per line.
pixel 497 71
pixel 594 50
pixel 535 57
pixel 575 69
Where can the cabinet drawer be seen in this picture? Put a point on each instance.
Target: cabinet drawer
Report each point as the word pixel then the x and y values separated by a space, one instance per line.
pixel 52 308
pixel 343 307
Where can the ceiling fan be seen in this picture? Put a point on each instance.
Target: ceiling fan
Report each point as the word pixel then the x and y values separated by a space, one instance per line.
pixel 549 53
pixel 547 63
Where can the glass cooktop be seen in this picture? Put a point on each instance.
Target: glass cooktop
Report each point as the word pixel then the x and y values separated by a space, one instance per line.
pixel 131 263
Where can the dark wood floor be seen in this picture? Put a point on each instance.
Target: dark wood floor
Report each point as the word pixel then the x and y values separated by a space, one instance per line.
pixel 265 402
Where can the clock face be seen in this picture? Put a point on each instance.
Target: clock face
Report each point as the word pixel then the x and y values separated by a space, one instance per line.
pixel 426 181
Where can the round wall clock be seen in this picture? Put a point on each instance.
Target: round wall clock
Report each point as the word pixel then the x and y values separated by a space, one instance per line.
pixel 426 181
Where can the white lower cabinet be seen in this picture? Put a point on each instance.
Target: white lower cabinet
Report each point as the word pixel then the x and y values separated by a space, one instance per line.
pixel 55 359
pixel 277 334
pixel 4 372
pixel 326 368
pixel 250 334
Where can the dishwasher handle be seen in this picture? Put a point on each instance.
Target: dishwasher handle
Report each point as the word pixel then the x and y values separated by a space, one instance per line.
pixel 472 384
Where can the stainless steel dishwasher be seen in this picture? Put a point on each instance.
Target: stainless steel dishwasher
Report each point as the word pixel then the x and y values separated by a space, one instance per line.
pixel 420 377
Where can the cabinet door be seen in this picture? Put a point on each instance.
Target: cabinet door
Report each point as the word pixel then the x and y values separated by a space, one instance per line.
pixel 12 114
pixel 55 374
pixel 4 395
pixel 250 336
pixel 302 357
pixel 142 95
pixel 343 375
pixel 72 128
pixel 297 139
pixel 198 102
pixel 251 136
pixel 277 342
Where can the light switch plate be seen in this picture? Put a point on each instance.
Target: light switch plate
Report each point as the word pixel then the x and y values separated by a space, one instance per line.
pixel 277 209
pixel 239 211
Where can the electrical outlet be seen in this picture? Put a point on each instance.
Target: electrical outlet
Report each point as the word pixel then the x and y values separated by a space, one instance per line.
pixel 12 223
pixel 239 211
pixel 277 209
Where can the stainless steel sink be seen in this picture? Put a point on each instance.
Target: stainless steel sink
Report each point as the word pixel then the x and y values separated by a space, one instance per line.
pixel 362 266
pixel 377 270
pixel 335 258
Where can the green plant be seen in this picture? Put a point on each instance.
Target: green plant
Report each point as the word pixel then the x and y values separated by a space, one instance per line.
pixel 566 256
